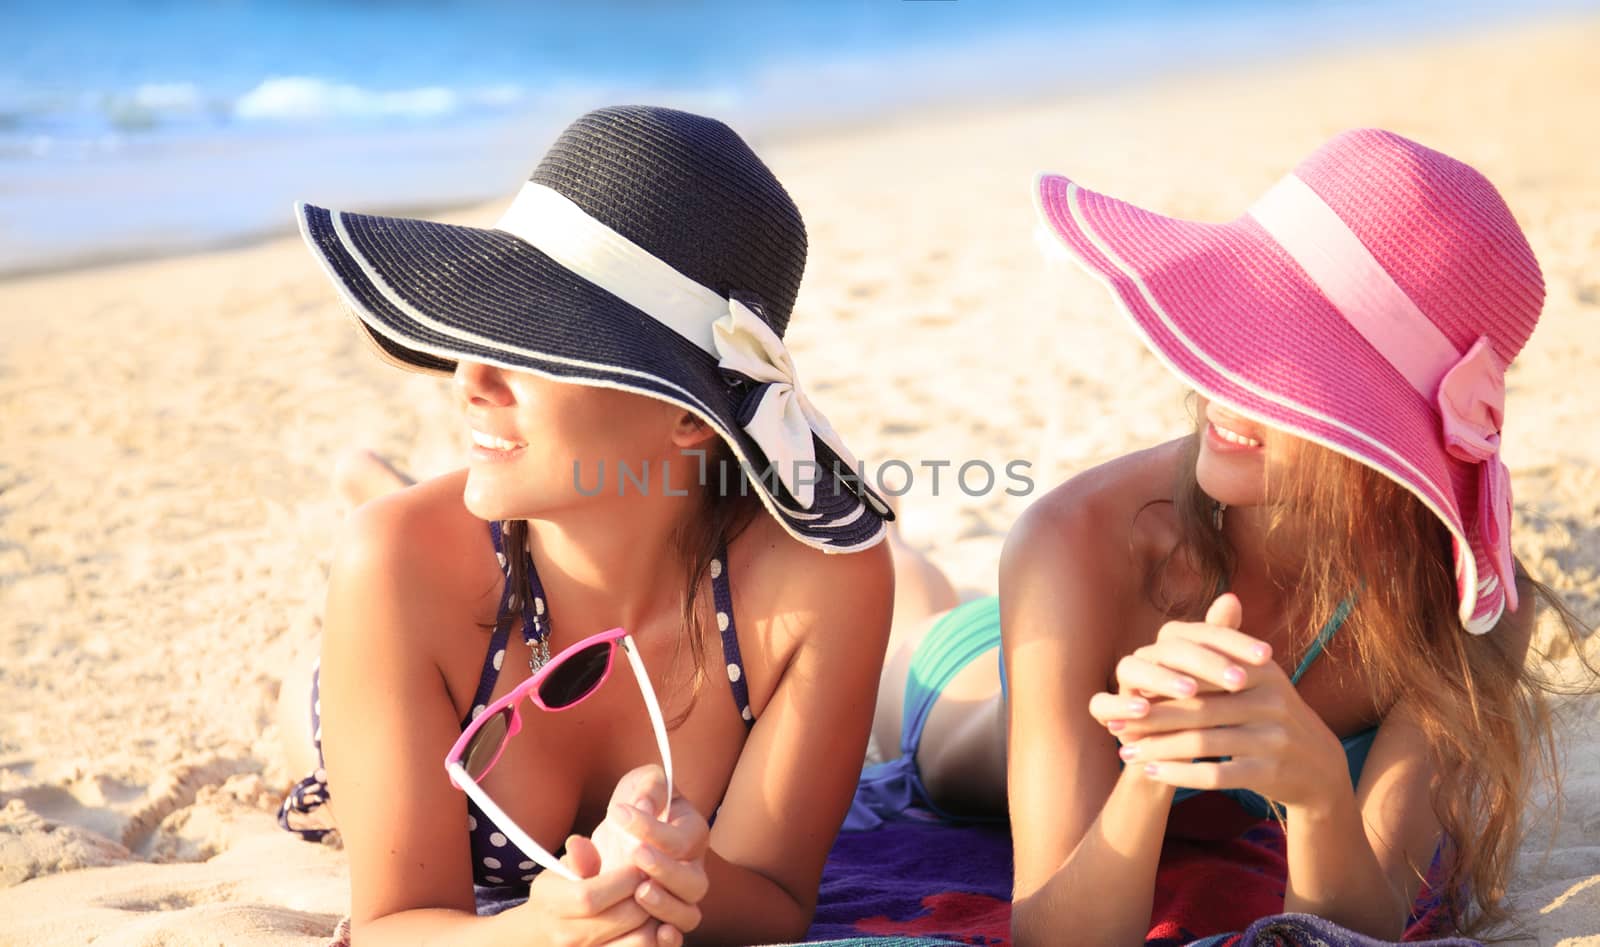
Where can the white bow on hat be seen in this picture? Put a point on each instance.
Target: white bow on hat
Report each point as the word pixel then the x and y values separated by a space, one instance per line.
pixel 784 419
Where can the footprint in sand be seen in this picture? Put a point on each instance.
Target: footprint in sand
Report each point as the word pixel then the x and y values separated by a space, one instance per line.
pixel 36 846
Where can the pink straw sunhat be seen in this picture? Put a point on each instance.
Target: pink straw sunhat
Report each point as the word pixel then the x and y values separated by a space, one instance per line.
pixel 1370 302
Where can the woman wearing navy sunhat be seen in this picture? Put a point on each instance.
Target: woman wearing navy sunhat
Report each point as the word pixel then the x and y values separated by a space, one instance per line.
pixel 628 309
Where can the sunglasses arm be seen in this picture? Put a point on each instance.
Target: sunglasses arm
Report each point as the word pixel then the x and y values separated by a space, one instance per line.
pixel 506 824
pixel 654 708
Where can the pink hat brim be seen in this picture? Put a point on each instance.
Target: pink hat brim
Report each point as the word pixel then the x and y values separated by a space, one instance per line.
pixel 1283 356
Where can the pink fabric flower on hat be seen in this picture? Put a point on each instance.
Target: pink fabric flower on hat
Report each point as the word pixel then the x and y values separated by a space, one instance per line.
pixel 1471 401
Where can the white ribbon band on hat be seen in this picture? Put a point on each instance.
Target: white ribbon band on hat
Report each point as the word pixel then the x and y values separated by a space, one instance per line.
pixel 784 420
pixel 1468 388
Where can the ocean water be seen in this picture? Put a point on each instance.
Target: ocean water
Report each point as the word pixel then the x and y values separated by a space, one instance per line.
pixel 132 127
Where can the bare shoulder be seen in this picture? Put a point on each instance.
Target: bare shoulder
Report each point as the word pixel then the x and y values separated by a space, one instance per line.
pixel 421 526
pixel 407 582
pixel 1071 578
pixel 420 546
pixel 797 595
pixel 1100 528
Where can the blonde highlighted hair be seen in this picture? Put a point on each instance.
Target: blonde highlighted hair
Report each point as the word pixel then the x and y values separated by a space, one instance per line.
pixel 1477 698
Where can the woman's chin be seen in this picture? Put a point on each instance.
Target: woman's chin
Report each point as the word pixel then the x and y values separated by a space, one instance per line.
pixel 485 500
pixel 1226 485
pixel 489 496
pixel 484 510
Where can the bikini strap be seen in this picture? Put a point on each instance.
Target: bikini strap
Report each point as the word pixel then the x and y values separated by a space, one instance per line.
pixel 963 635
pixel 721 594
pixel 509 602
pixel 532 610
pixel 1329 627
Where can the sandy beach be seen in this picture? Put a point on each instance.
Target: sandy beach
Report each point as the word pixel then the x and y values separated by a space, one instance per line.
pixel 167 429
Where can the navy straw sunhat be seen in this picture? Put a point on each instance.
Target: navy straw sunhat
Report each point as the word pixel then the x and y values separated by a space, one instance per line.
pixel 650 251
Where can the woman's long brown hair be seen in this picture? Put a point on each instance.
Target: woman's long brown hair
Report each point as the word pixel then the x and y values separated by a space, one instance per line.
pixel 1477 698
pixel 721 515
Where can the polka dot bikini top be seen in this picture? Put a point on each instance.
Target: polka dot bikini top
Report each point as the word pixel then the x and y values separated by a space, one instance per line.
pixel 496 860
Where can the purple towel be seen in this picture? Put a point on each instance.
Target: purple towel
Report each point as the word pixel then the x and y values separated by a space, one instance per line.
pixel 920 878
pixel 912 881
pixel 935 882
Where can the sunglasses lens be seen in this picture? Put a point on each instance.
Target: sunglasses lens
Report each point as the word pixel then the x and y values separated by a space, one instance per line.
pixel 576 677
pixel 486 743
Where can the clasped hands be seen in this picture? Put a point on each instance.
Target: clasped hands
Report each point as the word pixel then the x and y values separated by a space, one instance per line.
pixel 642 875
pixel 1206 707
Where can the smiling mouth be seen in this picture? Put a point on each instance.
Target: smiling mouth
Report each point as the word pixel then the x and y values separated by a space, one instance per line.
pixel 490 442
pixel 1233 437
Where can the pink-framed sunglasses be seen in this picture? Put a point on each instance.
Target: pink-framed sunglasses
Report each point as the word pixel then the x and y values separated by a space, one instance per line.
pixel 566 680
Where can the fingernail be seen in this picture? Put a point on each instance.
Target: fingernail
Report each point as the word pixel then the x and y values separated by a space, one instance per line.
pixel 1128 751
pixel 1184 686
pixel 1261 651
pixel 1115 725
pixel 649 857
pixel 1138 707
pixel 647 806
pixel 622 814
pixel 1151 769
pixel 1233 677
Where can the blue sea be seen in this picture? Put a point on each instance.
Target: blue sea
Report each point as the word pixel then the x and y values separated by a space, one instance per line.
pixel 135 127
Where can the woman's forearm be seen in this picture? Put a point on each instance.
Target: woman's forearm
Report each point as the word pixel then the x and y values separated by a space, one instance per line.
pixel 445 927
pixel 1333 872
pixel 746 907
pixel 1103 891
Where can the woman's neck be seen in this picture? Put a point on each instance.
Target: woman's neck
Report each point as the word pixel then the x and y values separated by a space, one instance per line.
pixel 1263 562
pixel 615 562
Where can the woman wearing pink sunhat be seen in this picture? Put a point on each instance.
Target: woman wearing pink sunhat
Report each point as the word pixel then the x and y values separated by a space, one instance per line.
pixel 1317 605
